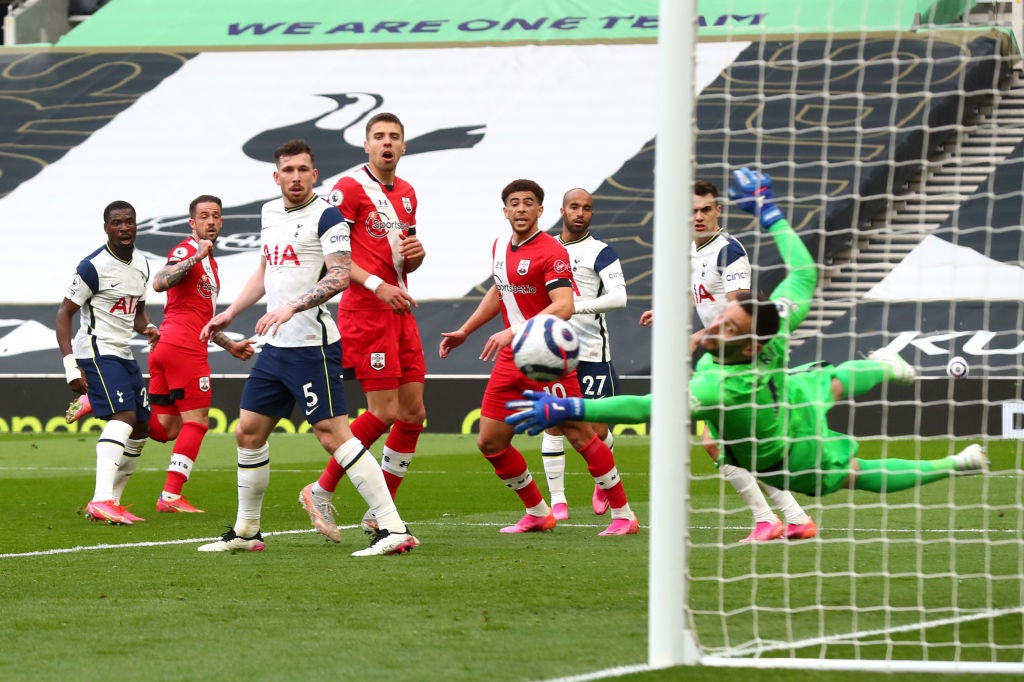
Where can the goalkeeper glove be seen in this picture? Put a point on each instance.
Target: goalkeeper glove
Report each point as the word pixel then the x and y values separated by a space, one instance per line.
pixel 541 410
pixel 753 193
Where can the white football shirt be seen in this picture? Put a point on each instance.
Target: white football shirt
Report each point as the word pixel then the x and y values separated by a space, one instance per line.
pixel 601 287
pixel 294 241
pixel 109 291
pixel 718 267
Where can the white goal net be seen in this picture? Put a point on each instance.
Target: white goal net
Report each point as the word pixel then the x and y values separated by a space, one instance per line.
pixel 896 152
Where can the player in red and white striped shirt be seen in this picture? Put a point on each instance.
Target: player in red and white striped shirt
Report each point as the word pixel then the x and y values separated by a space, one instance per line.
pixel 380 340
pixel 532 275
pixel 180 392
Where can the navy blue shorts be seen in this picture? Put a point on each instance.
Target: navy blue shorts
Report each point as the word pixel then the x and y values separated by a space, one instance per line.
pixel 309 376
pixel 115 385
pixel 597 379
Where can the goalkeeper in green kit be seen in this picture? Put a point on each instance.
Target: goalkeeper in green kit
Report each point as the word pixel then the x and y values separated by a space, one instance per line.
pixel 769 418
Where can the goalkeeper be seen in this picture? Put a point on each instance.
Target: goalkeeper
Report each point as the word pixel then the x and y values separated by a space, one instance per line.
pixel 771 419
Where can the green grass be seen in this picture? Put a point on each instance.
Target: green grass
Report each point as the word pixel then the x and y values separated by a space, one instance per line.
pixel 87 601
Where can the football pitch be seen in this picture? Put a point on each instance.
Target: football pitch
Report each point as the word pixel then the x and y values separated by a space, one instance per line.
pixel 89 601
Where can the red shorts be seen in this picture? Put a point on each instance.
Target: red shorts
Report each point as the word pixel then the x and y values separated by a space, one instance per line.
pixel 384 349
pixel 179 379
pixel 508 383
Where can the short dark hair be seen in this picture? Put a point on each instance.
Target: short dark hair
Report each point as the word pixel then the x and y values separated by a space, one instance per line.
pixel 522 185
pixel 293 148
pixel 115 206
pixel 764 315
pixel 565 197
pixel 702 188
pixel 385 116
pixel 203 199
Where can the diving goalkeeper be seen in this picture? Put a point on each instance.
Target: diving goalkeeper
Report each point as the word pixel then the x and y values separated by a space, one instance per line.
pixel 769 418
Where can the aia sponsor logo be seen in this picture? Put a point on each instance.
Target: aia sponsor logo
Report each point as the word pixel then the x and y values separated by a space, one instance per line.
pixel 281 254
pixel 701 294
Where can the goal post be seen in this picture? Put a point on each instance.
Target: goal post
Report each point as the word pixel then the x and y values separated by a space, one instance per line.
pixel 671 640
pixel 897 155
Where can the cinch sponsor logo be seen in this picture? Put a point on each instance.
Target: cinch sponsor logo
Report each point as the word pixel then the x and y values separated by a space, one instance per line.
pixel 735 276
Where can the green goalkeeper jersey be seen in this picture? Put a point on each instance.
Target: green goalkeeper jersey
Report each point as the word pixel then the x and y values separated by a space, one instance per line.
pixel 744 405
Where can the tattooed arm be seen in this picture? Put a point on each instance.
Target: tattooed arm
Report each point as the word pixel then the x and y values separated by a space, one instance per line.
pixel 172 273
pixel 334 281
pixel 243 350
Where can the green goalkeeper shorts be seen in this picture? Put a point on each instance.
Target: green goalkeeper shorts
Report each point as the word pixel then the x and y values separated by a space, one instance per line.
pixel 817 460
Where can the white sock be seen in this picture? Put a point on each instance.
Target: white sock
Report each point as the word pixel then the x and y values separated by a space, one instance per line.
pixel 253 479
pixel 126 465
pixel 552 454
pixel 745 485
pixel 125 468
pixel 787 504
pixel 540 510
pixel 365 473
pixel 320 492
pixel 623 512
pixel 609 440
pixel 109 449
pixel 394 462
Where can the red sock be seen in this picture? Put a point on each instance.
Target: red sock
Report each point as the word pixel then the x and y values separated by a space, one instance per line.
pixel 510 463
pixel 393 482
pixel 174 483
pixel 156 429
pixel 402 443
pixel 404 436
pixel 367 428
pixel 600 461
pixel 187 445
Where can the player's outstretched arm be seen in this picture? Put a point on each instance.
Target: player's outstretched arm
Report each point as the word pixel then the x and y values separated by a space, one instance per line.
pixel 253 291
pixel 486 310
pixel 752 192
pixel 540 410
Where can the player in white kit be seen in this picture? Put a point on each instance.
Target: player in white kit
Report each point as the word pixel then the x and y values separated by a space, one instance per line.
pixel 306 261
pixel 109 288
pixel 601 288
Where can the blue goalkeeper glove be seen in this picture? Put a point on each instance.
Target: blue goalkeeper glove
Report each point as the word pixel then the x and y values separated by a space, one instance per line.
pixel 541 410
pixel 753 193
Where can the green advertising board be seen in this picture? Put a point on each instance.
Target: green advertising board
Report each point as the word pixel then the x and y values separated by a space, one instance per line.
pixel 275 23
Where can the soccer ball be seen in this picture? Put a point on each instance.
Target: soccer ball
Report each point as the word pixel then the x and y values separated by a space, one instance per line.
pixel 546 348
pixel 958 368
